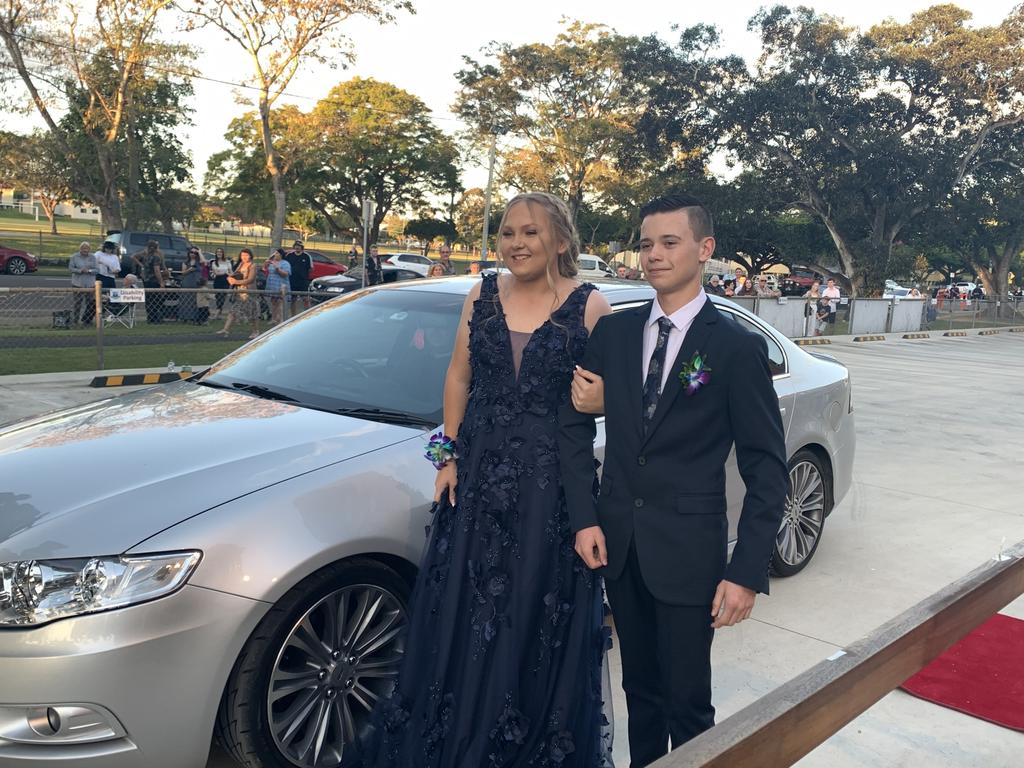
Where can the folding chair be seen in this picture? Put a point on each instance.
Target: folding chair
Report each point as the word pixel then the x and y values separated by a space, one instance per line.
pixel 120 309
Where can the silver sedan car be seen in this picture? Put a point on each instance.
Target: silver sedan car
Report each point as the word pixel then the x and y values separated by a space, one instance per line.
pixel 233 555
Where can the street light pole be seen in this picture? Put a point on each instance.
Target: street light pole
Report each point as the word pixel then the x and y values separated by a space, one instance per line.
pixel 368 210
pixel 487 197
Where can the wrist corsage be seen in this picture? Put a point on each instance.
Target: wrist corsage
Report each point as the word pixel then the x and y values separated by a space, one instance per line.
pixel 440 449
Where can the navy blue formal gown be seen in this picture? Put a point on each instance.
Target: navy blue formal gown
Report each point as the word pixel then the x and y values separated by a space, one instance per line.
pixel 502 667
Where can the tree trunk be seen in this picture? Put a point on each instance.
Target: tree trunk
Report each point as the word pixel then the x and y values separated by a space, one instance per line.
pixel 110 201
pixel 274 169
pixel 50 208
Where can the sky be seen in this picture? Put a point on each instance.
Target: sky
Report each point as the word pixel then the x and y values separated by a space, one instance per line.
pixel 421 53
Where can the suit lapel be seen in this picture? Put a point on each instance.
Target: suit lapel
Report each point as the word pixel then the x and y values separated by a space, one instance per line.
pixel 633 364
pixel 696 340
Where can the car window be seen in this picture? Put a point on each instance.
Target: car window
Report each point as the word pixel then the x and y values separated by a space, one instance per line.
pixel 320 259
pixel 588 264
pixel 179 244
pixel 422 260
pixel 139 239
pixel 392 352
pixel 776 357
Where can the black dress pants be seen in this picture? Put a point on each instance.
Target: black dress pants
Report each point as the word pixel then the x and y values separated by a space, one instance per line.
pixel 666 665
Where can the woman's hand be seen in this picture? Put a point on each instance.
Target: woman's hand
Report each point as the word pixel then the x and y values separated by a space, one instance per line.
pixel 445 482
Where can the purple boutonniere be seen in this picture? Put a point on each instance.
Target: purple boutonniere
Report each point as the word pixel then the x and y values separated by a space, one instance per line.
pixel 695 374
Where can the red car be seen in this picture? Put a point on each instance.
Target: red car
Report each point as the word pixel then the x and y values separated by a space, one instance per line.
pixel 323 266
pixel 16 262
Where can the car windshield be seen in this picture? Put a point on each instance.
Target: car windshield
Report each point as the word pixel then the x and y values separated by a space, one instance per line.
pixel 385 351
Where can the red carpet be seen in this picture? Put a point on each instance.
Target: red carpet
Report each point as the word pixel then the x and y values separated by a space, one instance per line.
pixel 982 675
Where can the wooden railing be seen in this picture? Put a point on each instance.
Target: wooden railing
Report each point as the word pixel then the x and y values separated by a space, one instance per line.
pixel 783 726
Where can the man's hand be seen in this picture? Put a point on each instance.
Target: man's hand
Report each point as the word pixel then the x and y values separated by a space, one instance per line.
pixel 732 603
pixel 587 391
pixel 590 546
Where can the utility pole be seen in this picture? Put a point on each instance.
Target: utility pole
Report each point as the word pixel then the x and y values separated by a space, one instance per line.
pixel 369 208
pixel 487 197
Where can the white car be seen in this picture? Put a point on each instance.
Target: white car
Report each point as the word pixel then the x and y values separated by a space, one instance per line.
pixel 414 261
pixel 594 266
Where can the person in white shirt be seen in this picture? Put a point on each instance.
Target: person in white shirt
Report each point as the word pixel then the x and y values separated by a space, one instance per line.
pixel 108 265
pixel 832 293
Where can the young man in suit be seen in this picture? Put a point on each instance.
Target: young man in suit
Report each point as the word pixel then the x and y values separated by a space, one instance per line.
pixel 680 384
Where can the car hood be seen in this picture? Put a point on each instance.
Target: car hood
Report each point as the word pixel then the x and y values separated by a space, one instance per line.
pixel 97 479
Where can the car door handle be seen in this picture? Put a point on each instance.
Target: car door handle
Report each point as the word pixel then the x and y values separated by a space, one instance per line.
pixel 782 410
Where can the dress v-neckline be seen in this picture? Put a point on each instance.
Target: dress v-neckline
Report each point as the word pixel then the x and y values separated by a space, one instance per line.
pixel 533 334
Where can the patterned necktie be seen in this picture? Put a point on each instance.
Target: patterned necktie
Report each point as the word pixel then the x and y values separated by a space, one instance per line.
pixel 652 384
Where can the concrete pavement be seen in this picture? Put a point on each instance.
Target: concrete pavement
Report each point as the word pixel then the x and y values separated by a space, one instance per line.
pixel 937 489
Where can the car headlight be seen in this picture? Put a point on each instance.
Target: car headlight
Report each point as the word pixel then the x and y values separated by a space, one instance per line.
pixel 34 592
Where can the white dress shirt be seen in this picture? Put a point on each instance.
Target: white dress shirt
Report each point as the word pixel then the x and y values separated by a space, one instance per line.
pixel 681 320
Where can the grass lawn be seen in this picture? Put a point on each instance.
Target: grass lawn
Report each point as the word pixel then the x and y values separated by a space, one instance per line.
pixel 155 356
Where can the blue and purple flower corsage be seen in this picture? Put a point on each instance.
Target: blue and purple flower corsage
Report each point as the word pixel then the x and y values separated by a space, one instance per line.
pixel 440 449
pixel 695 374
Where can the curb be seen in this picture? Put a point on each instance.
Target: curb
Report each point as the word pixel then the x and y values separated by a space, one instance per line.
pixel 916 336
pixel 955 333
pixel 813 342
pixel 136 379
pixel 989 332
pixel 869 338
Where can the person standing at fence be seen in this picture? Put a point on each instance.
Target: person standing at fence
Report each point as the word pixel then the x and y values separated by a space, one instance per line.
pixel 150 263
pixel 301 269
pixel 373 268
pixel 445 260
pixel 191 278
pixel 220 268
pixel 244 306
pixel 832 293
pixel 279 271
pixel 811 309
pixel 763 290
pixel 82 266
pixel 108 265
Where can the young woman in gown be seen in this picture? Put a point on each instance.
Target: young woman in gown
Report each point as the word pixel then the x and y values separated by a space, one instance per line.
pixel 502 667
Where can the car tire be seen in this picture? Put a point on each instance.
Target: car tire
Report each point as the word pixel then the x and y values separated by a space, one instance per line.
pixel 16 266
pixel 287 682
pixel 808 503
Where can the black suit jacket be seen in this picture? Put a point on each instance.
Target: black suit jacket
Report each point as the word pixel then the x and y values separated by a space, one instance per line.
pixel 666 490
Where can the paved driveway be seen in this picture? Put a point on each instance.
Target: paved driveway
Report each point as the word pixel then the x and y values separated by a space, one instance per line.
pixel 937 489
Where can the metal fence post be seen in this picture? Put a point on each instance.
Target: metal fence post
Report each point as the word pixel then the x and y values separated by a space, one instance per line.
pixel 98 312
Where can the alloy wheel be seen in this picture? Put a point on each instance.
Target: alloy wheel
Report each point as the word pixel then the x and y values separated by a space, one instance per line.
pixel 336 663
pixel 16 266
pixel 803 517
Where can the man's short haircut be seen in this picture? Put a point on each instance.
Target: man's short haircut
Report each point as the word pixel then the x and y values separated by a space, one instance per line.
pixel 700 217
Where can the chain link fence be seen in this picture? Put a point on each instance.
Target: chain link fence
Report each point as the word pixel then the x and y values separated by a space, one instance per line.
pixel 64 329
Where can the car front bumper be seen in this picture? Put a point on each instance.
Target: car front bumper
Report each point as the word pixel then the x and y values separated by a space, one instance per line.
pixel 157 670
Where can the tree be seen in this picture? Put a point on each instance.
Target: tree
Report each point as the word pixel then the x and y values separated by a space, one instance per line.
pixel 469 216
pixel 96 67
pixel 567 101
pixel 36 163
pixel 369 140
pixel 428 230
pixel 239 176
pixel 867 131
pixel 305 221
pixel 279 36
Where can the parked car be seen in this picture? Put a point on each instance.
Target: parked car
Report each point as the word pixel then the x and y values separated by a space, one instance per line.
pixel 324 266
pixel 174 248
pixel 798 282
pixel 594 266
pixel 353 280
pixel 260 585
pixel 414 261
pixel 15 261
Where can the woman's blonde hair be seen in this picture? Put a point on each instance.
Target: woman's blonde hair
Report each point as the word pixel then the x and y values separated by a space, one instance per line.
pixel 561 222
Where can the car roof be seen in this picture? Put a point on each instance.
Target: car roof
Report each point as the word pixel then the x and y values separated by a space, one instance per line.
pixel 618 290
